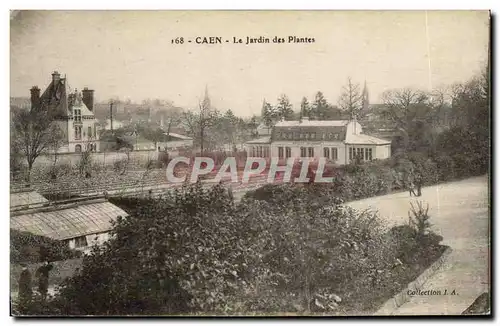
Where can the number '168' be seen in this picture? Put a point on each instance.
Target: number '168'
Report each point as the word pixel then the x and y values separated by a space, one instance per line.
pixel 178 40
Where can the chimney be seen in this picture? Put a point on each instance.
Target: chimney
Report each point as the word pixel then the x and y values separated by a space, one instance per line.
pixel 88 98
pixel 56 77
pixel 35 97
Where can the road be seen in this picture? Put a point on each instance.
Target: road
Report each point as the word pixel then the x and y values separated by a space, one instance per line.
pixel 460 213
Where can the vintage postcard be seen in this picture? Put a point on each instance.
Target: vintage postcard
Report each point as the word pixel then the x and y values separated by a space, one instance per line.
pixel 250 163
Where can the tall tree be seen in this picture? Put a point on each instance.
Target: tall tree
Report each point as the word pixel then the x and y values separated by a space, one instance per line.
pixel 319 107
pixel 284 108
pixel 305 108
pixel 351 99
pixel 199 122
pixel 408 110
pixel 35 132
pixel 269 114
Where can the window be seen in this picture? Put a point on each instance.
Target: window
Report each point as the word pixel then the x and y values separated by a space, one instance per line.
pixel 280 152
pixel 326 152
pixel 259 151
pixel 335 155
pixel 89 131
pixel 313 135
pixel 78 132
pixel 302 152
pixel 77 115
pixel 368 154
pixel 311 151
pixel 288 152
pixel 252 151
pixel 351 153
pixel 78 148
pixel 307 135
pixel 266 151
pixel 81 242
pixel 324 136
pixel 301 136
pixel 95 131
pixel 359 153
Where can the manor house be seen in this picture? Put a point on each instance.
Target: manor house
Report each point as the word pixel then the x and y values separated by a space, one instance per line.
pixel 73 111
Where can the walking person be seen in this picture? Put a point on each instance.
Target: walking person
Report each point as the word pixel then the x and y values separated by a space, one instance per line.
pixel 43 278
pixel 25 289
pixel 418 182
pixel 411 186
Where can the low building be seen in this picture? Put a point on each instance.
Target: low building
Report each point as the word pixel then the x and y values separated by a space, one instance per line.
pixel 80 224
pixel 174 141
pixel 339 141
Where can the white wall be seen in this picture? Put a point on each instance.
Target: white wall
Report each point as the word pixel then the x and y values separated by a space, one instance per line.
pixel 296 145
pixel 383 152
pixel 92 239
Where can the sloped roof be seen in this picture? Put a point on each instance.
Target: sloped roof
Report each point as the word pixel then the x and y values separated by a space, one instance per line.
pixel 313 123
pixel 172 134
pixel 262 140
pixel 61 223
pixel 362 139
pixel 26 198
pixel 57 97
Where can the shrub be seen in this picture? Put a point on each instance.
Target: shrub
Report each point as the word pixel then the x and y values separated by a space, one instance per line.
pixel 418 219
pixel 445 167
pixel 27 247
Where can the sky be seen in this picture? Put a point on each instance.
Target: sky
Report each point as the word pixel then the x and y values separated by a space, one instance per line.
pixel 130 55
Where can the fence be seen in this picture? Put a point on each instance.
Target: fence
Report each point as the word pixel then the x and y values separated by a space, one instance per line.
pixel 105 158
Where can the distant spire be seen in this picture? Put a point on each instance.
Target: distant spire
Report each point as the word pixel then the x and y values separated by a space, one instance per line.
pixel 366 99
pixel 206 99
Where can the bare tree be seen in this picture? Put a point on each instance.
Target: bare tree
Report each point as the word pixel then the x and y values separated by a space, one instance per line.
pixel 351 99
pixel 35 132
pixel 405 107
pixel 199 122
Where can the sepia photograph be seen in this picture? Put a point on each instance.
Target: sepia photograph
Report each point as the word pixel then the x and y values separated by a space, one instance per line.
pixel 250 163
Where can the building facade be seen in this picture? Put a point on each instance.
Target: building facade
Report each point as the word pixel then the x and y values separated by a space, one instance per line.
pixel 73 112
pixel 339 141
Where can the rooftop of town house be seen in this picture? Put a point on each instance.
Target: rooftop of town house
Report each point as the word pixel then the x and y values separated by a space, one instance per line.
pixel 68 219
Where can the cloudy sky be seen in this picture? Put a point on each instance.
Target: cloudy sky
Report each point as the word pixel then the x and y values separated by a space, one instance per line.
pixel 129 54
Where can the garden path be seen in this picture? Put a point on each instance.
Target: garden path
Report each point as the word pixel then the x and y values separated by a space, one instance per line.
pixel 460 213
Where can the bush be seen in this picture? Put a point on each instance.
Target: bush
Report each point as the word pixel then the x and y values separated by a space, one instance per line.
pixel 29 248
pixel 195 250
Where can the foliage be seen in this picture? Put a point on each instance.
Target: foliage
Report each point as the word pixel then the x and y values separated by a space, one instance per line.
pixel 284 108
pixel 26 247
pixel 418 219
pixel 195 250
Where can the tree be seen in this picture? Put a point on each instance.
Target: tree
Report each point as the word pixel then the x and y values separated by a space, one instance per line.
pixel 319 107
pixel 305 108
pixel 35 132
pixel 284 108
pixel 269 114
pixel 199 122
pixel 351 99
pixel 408 110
